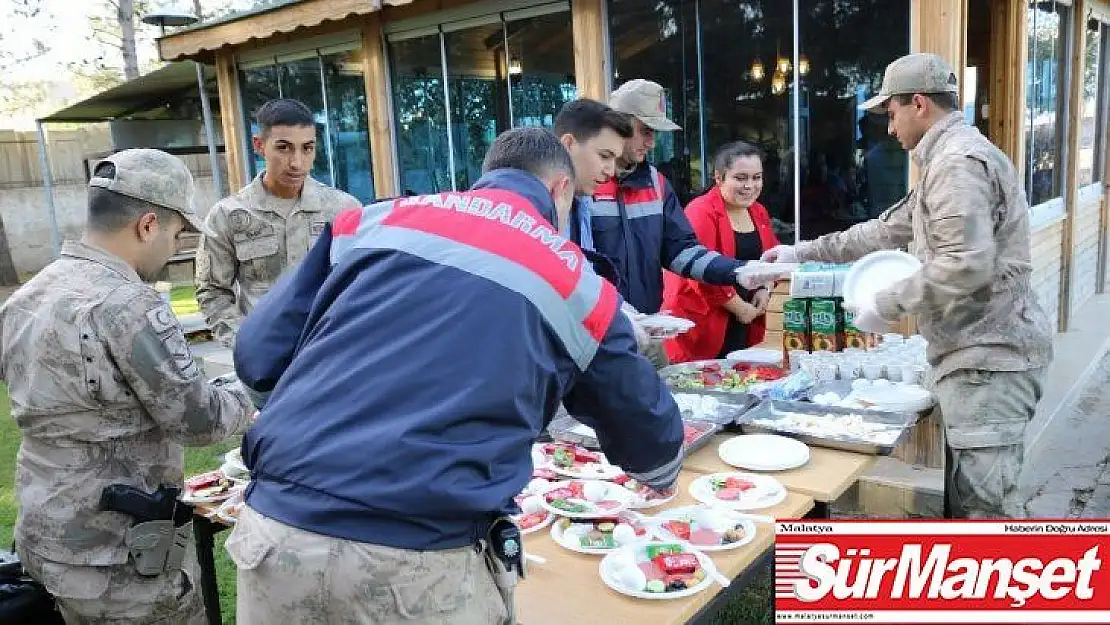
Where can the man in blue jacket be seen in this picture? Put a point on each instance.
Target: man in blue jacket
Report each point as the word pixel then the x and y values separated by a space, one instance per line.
pixel 405 370
pixel 637 220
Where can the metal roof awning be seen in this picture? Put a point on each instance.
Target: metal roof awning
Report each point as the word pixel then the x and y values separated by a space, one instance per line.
pixel 200 41
pixel 141 94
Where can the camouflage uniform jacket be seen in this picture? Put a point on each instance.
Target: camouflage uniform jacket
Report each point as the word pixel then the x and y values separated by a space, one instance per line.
pixel 105 391
pixel 252 244
pixel 967 220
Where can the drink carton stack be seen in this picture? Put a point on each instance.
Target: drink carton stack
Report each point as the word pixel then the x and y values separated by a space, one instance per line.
pixel 814 319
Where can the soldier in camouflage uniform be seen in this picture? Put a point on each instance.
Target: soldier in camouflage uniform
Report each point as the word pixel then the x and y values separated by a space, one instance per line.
pixel 269 225
pixel 966 219
pixel 105 391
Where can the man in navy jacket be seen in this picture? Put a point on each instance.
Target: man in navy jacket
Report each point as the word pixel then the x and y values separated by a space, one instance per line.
pixel 405 369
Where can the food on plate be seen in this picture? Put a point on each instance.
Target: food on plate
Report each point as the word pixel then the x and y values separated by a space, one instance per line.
pixel 662 326
pixel 211 485
pixel 720 377
pixel 657 569
pixel 532 513
pixel 577 460
pixel 851 426
pixel 704 527
pixel 577 497
pixel 603 533
pixel 730 488
pixel 646 496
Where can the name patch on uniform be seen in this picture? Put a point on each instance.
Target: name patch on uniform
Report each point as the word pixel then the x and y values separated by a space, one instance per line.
pixel 165 325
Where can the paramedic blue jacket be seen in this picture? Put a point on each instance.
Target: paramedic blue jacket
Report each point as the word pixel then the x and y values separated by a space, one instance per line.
pixel 641 228
pixel 409 362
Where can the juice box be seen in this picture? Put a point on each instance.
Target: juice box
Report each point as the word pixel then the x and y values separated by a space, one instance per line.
pixel 795 325
pixel 825 325
pixel 853 336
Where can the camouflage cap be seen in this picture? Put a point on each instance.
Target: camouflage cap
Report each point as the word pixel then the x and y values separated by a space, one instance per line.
pixel 913 73
pixel 156 177
pixel 645 100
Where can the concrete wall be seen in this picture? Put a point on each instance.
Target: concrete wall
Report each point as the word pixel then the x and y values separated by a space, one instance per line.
pixel 27 219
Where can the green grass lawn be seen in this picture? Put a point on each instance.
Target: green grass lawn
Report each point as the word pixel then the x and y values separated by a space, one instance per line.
pixel 183 299
pixel 749 608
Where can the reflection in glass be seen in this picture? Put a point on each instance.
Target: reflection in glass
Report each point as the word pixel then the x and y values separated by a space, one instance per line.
pixel 419 112
pixel 1043 99
pixel 349 127
pixel 301 80
pixel 476 69
pixel 1093 123
pixel 658 41
pixel 257 85
pixel 542 49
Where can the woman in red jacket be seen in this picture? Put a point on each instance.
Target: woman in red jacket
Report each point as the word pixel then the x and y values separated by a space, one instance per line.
pixel 727 219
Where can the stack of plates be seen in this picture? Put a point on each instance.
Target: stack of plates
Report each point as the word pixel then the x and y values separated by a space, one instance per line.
pixel 905 398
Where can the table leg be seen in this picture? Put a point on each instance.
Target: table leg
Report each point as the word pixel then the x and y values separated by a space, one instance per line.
pixel 820 511
pixel 204 532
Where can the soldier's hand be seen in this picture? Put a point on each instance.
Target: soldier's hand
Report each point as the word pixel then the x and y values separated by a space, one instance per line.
pixel 780 254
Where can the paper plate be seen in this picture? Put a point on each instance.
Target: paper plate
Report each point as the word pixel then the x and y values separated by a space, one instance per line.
pixel 601 471
pixel 636 553
pixel 763 452
pixel 686 513
pixel 876 272
pixel 767 492
pixel 619 494
pixel 756 356
pixel 567 540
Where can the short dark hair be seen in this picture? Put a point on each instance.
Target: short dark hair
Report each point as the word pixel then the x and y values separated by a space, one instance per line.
pixel 584 119
pixel 729 152
pixel 110 211
pixel 283 112
pixel 946 101
pixel 531 149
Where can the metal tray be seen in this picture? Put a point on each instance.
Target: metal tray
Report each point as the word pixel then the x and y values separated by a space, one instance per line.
pixel 772 408
pixel 561 430
pixel 732 396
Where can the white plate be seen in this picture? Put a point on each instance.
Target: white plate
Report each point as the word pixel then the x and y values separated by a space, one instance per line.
pixel 537 527
pixel 568 541
pixel 604 470
pixel 637 552
pixel 236 488
pixel 876 272
pixel 612 492
pixel 897 397
pixel 756 356
pixel 763 452
pixel 639 503
pixel 767 492
pixel 234 458
pixel 684 513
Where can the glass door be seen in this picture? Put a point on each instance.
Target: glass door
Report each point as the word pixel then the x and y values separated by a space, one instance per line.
pixel 477 95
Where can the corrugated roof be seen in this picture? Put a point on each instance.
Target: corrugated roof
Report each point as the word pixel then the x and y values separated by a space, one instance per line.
pixel 144 93
pixel 237 29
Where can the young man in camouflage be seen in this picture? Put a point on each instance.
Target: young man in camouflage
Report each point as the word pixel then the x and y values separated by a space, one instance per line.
pixel 105 391
pixel 967 220
pixel 269 225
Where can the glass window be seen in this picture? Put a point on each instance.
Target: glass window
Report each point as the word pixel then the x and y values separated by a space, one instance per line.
pixel 349 136
pixel 257 86
pixel 303 81
pixel 1092 129
pixel 478 96
pixel 1044 99
pixel 421 117
pixel 658 41
pixel 851 169
pixel 541 65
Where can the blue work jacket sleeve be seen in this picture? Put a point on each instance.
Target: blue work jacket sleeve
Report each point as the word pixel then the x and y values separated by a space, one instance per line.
pixel 272 332
pixel 633 413
pixel 683 254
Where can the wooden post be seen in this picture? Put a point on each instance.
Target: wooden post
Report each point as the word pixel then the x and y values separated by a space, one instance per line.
pixel 232 120
pixel 1008 55
pixel 1074 108
pixel 376 76
pixel 939 27
pixel 591 64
